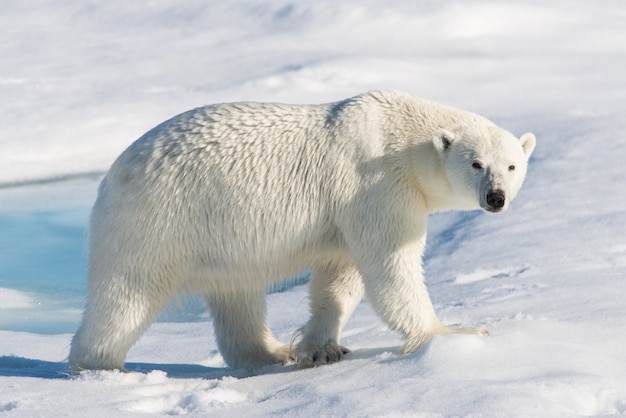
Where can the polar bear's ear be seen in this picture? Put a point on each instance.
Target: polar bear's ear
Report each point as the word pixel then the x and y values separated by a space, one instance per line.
pixel 442 139
pixel 528 142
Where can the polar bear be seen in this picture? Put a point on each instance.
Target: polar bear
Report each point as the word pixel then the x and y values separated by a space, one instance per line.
pixel 225 200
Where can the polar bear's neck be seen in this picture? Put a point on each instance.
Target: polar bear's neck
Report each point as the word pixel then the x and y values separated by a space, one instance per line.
pixel 407 125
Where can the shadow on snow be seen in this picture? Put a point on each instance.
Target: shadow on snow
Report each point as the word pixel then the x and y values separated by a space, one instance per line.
pixel 13 366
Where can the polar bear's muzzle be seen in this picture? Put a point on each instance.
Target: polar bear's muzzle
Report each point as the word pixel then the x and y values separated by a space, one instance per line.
pixel 496 200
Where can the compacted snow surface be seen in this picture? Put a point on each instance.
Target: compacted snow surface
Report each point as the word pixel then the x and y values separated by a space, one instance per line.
pixel 80 80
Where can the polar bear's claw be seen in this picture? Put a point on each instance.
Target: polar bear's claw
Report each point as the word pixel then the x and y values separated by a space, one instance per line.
pixel 319 355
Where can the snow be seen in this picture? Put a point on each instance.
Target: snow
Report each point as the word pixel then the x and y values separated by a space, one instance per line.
pixel 81 80
pixel 12 299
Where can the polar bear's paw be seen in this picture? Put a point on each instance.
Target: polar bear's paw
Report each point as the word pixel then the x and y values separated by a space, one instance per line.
pixel 317 355
pixel 284 354
pixel 477 331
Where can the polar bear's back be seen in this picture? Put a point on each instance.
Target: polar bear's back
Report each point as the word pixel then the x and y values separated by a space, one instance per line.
pixel 228 139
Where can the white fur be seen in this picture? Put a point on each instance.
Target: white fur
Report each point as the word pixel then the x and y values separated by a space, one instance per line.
pixel 226 199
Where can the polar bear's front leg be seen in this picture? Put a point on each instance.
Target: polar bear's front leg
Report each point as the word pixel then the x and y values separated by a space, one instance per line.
pixel 386 235
pixel 335 293
pixel 395 287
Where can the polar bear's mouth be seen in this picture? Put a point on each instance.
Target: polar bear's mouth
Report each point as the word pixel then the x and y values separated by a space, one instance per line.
pixel 495 201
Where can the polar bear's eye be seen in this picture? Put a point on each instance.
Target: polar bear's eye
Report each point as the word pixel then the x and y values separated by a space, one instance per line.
pixel 511 168
pixel 477 165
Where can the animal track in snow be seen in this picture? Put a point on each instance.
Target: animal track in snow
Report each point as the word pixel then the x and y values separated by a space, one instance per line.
pixel 178 399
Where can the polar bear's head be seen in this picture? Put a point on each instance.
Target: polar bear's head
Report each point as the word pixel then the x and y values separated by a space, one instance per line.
pixel 485 165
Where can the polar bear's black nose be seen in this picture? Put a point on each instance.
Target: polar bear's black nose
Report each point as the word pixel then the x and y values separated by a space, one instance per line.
pixel 496 199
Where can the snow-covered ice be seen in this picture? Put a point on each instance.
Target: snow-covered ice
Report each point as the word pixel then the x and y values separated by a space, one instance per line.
pixel 80 80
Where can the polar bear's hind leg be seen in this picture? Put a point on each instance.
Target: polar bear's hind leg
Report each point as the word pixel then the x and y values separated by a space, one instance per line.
pixel 335 293
pixel 241 330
